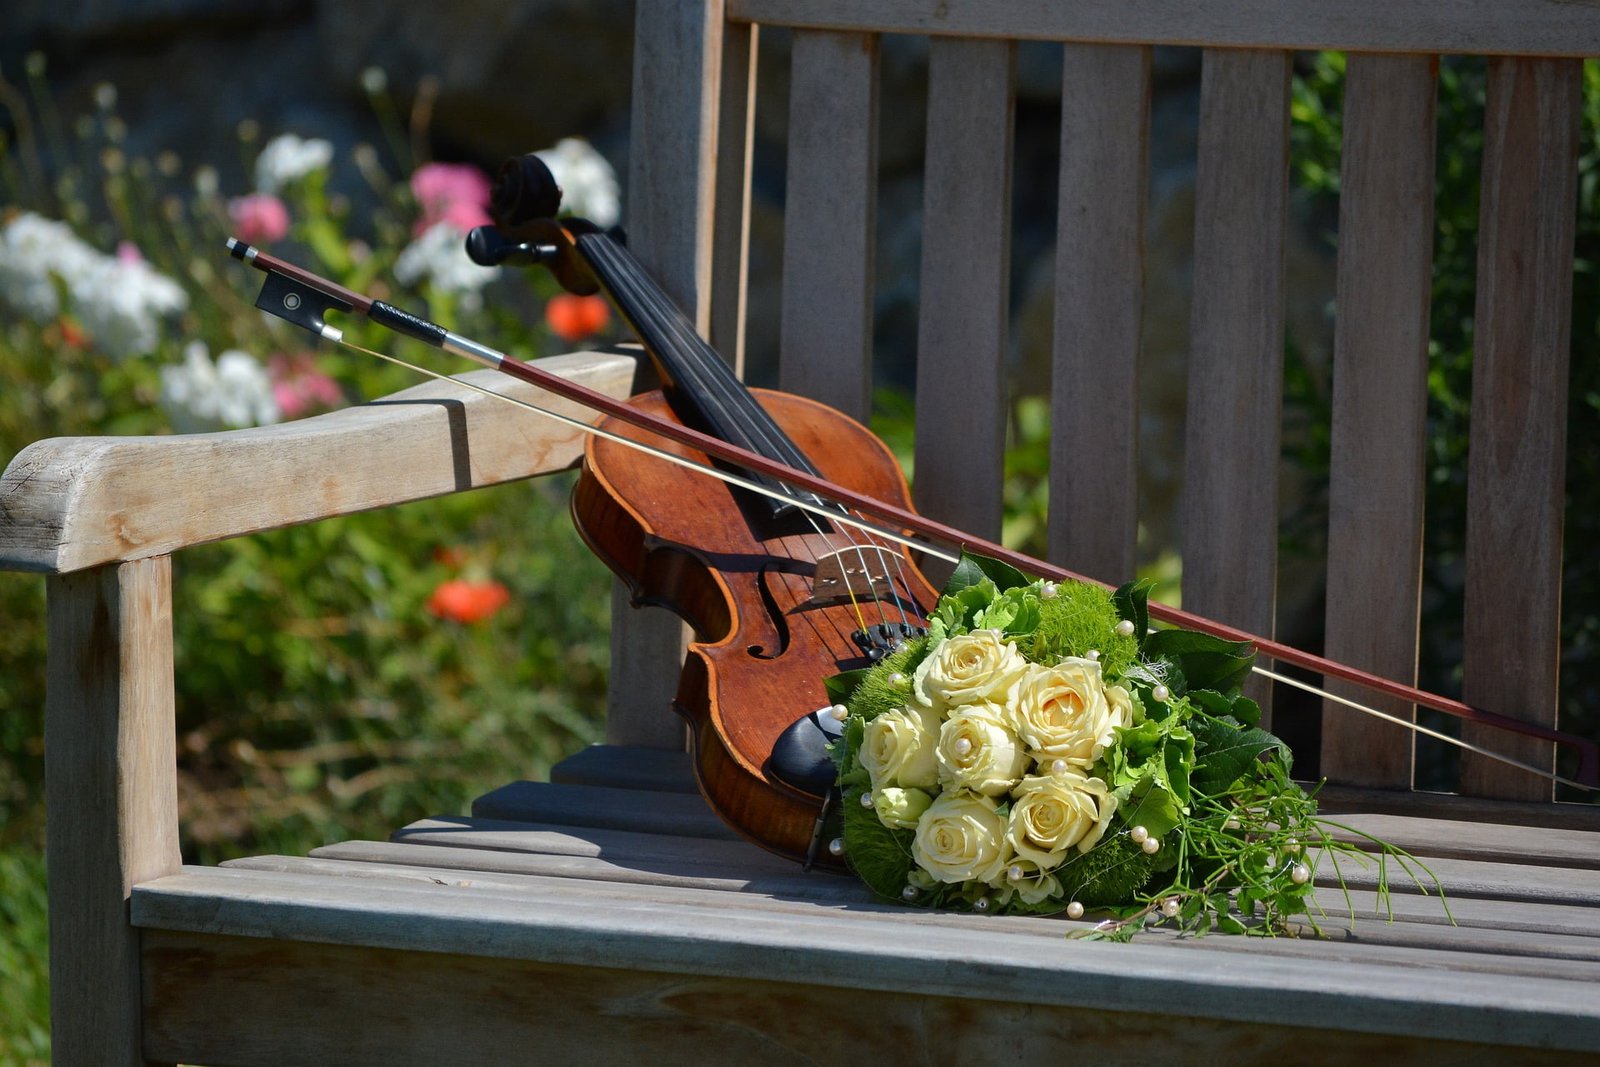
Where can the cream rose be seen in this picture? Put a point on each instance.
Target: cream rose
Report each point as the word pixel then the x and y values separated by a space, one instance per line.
pixel 1051 814
pixel 979 750
pixel 967 669
pixel 897 749
pixel 1063 712
pixel 900 808
pixel 961 838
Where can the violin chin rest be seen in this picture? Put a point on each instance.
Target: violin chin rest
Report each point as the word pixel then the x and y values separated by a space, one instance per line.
pixel 800 755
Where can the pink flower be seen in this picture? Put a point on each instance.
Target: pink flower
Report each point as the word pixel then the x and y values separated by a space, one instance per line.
pixel 466 601
pixel 299 388
pixel 128 252
pixel 259 218
pixel 457 193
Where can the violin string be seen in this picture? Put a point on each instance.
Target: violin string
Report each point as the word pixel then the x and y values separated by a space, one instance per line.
pixel 913 543
pixel 754 428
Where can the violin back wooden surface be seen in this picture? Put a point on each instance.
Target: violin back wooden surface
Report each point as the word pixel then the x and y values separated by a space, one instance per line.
pixel 689 220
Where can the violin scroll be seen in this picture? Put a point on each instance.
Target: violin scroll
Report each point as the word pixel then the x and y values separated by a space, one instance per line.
pixel 524 191
pixel 523 202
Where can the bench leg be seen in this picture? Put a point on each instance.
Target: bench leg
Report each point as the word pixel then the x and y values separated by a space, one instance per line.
pixel 111 789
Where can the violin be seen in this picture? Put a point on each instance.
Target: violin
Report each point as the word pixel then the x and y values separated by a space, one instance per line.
pixel 799 571
pixel 779 596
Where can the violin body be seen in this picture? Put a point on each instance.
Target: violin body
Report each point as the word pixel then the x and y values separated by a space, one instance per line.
pixel 771 623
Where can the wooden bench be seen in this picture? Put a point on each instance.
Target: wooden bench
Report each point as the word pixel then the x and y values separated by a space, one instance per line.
pixel 607 912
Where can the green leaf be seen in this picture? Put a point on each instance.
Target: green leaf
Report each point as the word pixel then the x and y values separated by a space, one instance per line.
pixel 1152 806
pixel 1227 753
pixel 1246 711
pixel 968 573
pixel 1133 604
pixel 1004 575
pixel 841 687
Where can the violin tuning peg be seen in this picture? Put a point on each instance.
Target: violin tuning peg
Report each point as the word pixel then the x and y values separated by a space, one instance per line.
pixel 487 248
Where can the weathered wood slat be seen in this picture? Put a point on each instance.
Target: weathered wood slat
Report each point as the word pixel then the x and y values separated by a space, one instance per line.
pixel 825 334
pixel 827 947
pixel 618 809
pixel 1335 799
pixel 673 201
pixel 1489 842
pixel 1099 292
pixel 1471 878
pixel 1380 391
pixel 111 785
pixel 75 502
pixel 626 767
pixel 1523 951
pixel 487 851
pixel 504 835
pixel 1230 490
pixel 730 249
pixel 1533 27
pixel 368 997
pixel 966 284
pixel 1517 464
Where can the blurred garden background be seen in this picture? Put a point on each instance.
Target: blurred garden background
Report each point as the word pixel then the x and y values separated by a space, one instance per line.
pixel 339 680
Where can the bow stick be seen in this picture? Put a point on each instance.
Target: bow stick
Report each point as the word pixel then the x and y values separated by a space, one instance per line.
pixel 303 298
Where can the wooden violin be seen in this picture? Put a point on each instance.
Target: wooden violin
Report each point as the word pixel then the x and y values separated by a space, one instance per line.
pixel 779 597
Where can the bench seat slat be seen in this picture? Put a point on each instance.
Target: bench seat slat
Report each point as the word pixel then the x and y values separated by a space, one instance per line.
pixel 1417 925
pixel 612 926
pixel 618 809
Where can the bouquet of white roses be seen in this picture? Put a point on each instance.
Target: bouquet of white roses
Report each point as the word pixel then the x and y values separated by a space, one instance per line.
pixel 1042 750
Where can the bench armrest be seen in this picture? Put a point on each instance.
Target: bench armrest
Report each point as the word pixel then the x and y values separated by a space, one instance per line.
pixel 69 503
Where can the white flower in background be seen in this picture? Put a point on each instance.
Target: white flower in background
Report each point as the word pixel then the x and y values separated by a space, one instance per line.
pixel 439 256
pixel 121 302
pixel 588 184
pixel 287 158
pixel 118 300
pixel 34 252
pixel 234 391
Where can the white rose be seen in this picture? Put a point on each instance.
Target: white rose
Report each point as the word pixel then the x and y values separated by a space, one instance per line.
pixel 1063 712
pixel 969 668
pixel 900 808
pixel 897 749
pixel 1051 814
pixel 961 838
pixel 979 750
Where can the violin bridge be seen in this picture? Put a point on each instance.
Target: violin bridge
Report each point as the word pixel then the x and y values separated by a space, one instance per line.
pixel 861 574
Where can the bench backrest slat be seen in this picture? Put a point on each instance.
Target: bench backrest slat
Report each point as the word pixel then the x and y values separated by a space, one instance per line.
pixel 1099 305
pixel 1517 461
pixel 965 293
pixel 829 219
pixel 1230 477
pixel 1380 390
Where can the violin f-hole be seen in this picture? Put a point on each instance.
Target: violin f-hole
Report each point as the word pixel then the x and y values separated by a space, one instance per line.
pixel 775 614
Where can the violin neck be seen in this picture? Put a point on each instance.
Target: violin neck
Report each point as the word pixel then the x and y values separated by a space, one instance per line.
pixel 700 386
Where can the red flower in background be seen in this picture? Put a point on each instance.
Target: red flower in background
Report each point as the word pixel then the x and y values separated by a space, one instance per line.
pixel 572 317
pixel 460 600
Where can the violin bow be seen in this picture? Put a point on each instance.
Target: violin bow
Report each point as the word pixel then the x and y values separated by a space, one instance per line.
pixel 300 297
